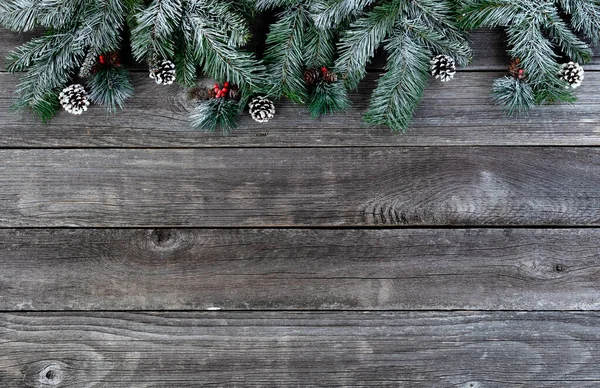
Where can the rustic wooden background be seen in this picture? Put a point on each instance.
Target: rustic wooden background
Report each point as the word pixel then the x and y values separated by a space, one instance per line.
pixel 136 252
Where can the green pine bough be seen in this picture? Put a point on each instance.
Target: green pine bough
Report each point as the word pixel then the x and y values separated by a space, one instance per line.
pixel 315 51
pixel 545 44
pixel 299 57
pixel 175 37
pixel 419 38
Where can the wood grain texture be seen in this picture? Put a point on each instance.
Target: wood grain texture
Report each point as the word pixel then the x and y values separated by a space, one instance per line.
pixel 456 113
pixel 300 187
pixel 183 269
pixel 459 349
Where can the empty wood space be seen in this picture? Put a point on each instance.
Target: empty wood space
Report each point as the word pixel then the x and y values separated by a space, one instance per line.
pixel 137 252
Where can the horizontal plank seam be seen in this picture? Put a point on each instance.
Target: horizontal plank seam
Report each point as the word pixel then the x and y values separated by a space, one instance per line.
pixel 266 147
pixel 300 227
pixel 300 310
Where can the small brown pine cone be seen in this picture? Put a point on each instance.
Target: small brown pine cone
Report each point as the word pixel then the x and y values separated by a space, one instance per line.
pixel 312 76
pixel 515 69
pixel 330 77
pixel 234 93
pixel 211 94
pixel 113 58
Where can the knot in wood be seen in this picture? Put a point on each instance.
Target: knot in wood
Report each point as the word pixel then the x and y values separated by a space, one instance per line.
pixel 162 237
pixel 51 375
pixel 559 268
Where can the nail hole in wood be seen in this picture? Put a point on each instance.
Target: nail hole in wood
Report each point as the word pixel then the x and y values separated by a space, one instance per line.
pixel 50 375
pixel 559 268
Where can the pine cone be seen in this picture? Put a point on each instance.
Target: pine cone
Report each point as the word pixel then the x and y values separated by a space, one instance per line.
pixel 88 67
pixel 443 67
pixel 515 69
pixel 330 77
pixel 312 76
pixel 211 94
pixel 572 73
pixel 234 93
pixel 74 99
pixel 262 109
pixel 164 74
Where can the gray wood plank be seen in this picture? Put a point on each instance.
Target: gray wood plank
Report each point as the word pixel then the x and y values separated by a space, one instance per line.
pixel 401 349
pixel 457 113
pixel 300 187
pixel 187 269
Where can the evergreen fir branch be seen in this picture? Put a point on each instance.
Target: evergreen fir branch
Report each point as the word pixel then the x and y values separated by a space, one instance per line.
pixel 20 15
pixel 585 17
pixel 437 42
pixel 319 47
pixel 514 95
pixel 331 13
pixel 218 112
pixel 488 13
pixel 47 71
pixel 185 63
pixel 328 98
pixel 285 56
pixel 153 33
pixel 552 89
pixel 227 19
pixel 45 107
pixel 102 25
pixel 263 5
pixel 110 86
pixel 570 44
pixel 211 45
pixel 365 35
pixel 400 90
pixel 536 53
pixel 60 14
pixel 432 21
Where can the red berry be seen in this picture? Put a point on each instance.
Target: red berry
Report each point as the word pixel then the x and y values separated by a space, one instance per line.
pixel 224 90
pixel 216 86
pixel 324 69
pixel 226 84
pixel 102 59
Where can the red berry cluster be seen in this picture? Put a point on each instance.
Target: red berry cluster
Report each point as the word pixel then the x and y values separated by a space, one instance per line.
pixel 324 70
pixel 109 59
pixel 521 74
pixel 221 92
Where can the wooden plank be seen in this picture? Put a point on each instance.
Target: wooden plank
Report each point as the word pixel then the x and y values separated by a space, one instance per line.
pixel 402 349
pixel 457 113
pixel 300 187
pixel 186 269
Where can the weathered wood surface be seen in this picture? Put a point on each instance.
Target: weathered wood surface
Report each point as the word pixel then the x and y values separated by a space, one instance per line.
pixel 300 187
pixel 183 269
pixel 457 113
pixel 399 349
pixel 258 177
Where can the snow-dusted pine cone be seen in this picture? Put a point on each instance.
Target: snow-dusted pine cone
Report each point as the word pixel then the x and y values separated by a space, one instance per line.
pixel 262 109
pixel 443 67
pixel 74 99
pixel 572 73
pixel 164 73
